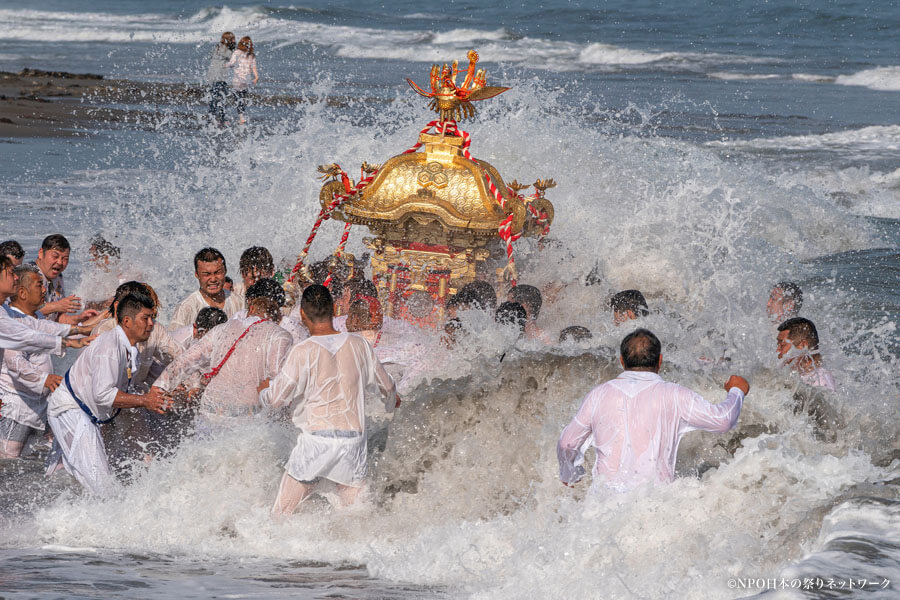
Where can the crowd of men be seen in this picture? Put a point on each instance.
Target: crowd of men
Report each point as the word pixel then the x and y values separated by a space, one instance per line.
pixel 235 349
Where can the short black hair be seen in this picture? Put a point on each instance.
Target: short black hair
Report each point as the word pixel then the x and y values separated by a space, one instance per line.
pixel 632 300
pixel 575 333
pixel 256 258
pixel 209 317
pixel 801 330
pixel 102 247
pixel 131 305
pixel 790 291
pixel 267 288
pixel 129 287
pixel 5 262
pixel 12 248
pixel 528 295
pixel 640 350
pixel 317 303
pixel 208 255
pixel 478 294
pixel 511 313
pixel 57 241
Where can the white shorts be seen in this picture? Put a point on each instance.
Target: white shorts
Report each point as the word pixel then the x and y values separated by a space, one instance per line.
pixel 79 445
pixel 339 456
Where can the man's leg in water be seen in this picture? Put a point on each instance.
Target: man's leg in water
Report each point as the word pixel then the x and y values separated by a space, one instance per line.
pixel 290 494
pixel 13 436
pixel 348 494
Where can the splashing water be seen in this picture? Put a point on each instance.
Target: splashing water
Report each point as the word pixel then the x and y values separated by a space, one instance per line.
pixel 463 492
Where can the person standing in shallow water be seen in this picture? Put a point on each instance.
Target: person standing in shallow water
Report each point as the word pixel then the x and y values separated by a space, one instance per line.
pixel 216 76
pixel 244 63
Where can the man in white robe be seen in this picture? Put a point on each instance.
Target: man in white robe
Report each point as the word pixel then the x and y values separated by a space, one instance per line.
pixel 210 270
pixel 235 357
pixel 28 334
pixel 27 377
pixel 94 391
pixel 636 421
pixel 327 375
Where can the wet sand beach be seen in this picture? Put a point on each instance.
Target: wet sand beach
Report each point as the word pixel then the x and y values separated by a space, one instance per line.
pixel 37 103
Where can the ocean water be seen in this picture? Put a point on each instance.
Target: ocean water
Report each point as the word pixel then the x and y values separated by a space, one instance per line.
pixel 702 152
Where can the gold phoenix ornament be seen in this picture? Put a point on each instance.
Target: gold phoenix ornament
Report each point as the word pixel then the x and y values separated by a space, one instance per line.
pixel 454 102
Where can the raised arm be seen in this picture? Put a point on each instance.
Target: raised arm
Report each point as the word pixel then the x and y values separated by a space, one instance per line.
pixel 571 446
pixel 19 336
pixel 697 413
pixel 47 326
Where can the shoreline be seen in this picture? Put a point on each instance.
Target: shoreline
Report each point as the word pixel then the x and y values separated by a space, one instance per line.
pixel 38 104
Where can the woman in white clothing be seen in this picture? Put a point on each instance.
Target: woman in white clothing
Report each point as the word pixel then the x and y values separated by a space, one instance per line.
pixel 244 63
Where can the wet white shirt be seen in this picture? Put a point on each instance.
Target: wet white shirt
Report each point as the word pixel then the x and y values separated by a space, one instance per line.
pixel 153 355
pixel 101 371
pixel 327 377
pixel 258 356
pixel 22 376
pixel 186 312
pixel 28 334
pixel 636 422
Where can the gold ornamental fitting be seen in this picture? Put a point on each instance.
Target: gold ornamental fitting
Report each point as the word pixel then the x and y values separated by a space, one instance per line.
pixel 452 101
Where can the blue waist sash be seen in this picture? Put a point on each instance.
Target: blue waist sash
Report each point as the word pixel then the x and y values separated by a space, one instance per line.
pixel 84 407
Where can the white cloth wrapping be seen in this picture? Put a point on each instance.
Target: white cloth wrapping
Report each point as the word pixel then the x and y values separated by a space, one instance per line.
pixel 186 311
pixel 22 375
pixel 336 456
pixel 259 355
pixel 78 445
pixel 636 422
pixel 326 377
